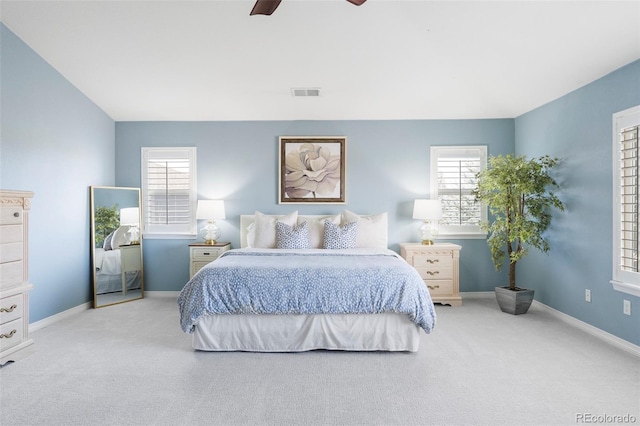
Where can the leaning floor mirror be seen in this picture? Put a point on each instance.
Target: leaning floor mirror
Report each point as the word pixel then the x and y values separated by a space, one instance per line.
pixel 116 245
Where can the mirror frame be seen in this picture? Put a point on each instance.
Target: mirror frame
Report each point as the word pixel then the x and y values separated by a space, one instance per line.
pixel 115 300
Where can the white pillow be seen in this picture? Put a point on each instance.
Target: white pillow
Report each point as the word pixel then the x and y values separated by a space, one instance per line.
pixel 107 241
pixel 251 234
pixel 316 228
pixel 119 237
pixel 265 228
pixel 372 229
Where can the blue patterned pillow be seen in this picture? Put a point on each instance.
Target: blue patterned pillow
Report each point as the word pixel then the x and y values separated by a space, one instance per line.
pixel 340 237
pixel 292 237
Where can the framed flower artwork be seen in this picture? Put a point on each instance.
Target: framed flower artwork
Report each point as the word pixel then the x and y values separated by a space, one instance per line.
pixel 312 169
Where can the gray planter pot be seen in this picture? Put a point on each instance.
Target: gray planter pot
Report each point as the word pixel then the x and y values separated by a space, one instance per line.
pixel 514 302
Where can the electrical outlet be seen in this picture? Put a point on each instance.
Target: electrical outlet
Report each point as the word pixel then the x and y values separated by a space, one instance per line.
pixel 587 295
pixel 626 307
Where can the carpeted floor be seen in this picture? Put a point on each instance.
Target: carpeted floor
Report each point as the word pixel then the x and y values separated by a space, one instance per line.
pixel 131 364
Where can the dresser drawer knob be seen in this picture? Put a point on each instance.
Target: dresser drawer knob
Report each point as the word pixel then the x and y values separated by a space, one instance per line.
pixel 433 287
pixel 433 260
pixel 8 335
pixel 10 309
pixel 433 272
pixel 16 214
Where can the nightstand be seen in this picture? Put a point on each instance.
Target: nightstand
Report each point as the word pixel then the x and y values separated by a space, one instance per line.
pixel 438 265
pixel 200 254
pixel 130 261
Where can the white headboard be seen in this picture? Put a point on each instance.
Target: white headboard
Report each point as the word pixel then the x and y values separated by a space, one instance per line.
pixel 245 221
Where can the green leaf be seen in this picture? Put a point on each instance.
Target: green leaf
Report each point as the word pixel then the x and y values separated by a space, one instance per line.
pixel 106 220
pixel 519 194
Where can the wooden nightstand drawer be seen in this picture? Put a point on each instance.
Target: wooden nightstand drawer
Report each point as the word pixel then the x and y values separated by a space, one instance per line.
pixel 435 273
pixel 440 287
pixel 131 258
pixel 429 262
pixel 11 308
pixel 205 253
pixel 199 265
pixel 11 334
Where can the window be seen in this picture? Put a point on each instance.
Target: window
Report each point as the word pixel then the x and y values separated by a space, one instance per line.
pixel 626 217
pixel 453 178
pixel 169 194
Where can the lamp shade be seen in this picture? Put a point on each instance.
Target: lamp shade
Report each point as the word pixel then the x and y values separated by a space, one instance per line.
pixel 427 209
pixel 210 209
pixel 130 216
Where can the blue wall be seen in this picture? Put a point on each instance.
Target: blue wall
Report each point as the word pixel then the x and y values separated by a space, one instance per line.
pixel 577 128
pixel 56 143
pixel 387 168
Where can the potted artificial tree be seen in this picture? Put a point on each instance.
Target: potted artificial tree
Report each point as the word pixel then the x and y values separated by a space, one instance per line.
pixel 107 220
pixel 519 194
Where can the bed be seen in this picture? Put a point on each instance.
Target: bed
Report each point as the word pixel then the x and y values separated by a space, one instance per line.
pixel 323 293
pixel 108 262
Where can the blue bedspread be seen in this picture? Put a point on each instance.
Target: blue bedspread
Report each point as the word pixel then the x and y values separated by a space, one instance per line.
pixel 276 281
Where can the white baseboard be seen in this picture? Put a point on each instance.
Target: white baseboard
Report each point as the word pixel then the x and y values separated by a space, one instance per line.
pixel 588 328
pixel 57 317
pixel 34 326
pixel 161 294
pixel 478 295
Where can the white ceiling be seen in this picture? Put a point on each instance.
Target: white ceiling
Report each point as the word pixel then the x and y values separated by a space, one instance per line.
pixel 210 60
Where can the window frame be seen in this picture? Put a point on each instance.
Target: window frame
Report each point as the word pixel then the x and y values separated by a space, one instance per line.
pixel 170 231
pixel 622 280
pixel 458 231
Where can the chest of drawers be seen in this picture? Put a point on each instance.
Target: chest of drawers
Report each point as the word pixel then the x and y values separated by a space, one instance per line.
pixel 14 273
pixel 201 254
pixel 438 265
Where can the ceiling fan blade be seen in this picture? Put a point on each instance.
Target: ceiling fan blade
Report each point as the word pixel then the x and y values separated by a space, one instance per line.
pixel 265 7
pixel 357 2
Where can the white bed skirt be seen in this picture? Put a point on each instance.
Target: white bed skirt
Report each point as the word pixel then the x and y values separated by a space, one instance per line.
pixel 297 333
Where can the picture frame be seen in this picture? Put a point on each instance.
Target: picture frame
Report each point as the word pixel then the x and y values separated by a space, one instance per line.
pixel 312 169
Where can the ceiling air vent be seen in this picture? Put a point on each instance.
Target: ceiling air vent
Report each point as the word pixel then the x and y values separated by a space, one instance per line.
pixel 310 91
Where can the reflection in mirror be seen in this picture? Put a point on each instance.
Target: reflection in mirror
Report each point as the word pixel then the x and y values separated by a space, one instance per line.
pixel 116 246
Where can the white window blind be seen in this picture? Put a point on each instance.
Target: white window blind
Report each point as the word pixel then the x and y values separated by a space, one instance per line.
pixel 629 199
pixel 169 191
pixel 453 178
pixel 626 217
